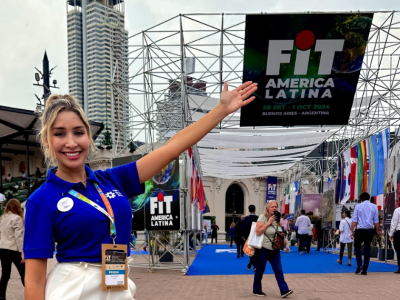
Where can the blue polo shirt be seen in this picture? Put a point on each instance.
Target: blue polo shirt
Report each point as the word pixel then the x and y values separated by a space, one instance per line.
pixel 80 232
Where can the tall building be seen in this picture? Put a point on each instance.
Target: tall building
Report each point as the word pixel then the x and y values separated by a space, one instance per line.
pixel 169 109
pixel 97 44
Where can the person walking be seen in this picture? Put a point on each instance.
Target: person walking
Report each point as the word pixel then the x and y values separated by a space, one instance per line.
pixel 11 239
pixel 302 224
pixel 247 223
pixel 291 225
pixel 365 220
pixel 82 210
pixel 309 237
pixel 345 238
pixel 267 226
pixel 285 224
pixel 238 235
pixel 231 232
pixel 214 232
pixel 394 235
pixel 205 234
pixel 318 227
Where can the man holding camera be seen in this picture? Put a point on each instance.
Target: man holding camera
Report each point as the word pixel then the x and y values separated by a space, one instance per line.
pixel 366 224
pixel 302 224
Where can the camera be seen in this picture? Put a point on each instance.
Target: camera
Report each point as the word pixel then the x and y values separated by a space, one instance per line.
pixel 277 214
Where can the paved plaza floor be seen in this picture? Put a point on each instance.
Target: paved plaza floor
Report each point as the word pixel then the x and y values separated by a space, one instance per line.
pixel 171 285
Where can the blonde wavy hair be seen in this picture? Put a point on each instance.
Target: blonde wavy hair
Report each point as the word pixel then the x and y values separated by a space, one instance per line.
pixel 266 208
pixel 56 104
pixel 14 206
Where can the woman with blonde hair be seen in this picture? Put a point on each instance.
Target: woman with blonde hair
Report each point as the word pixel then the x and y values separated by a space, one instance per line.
pixel 267 226
pixel 12 234
pixel 84 211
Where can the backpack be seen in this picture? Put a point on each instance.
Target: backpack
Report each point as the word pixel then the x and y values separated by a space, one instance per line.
pixel 279 239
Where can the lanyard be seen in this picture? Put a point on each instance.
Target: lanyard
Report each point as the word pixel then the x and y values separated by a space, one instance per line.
pixel 109 213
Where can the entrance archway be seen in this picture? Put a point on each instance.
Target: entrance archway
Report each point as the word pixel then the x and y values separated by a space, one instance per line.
pixel 234 205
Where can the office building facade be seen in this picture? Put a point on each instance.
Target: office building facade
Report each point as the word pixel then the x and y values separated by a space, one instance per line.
pixel 97 44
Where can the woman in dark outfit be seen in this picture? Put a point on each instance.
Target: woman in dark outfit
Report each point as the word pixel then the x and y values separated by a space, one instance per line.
pixel 214 229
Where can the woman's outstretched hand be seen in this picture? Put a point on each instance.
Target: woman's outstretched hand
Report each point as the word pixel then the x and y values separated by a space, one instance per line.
pixel 231 101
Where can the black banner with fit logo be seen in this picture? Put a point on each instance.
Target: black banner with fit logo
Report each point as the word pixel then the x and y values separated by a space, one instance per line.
pixel 158 208
pixel 306 65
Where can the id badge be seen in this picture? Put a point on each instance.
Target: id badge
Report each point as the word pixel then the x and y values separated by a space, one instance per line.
pixel 114 267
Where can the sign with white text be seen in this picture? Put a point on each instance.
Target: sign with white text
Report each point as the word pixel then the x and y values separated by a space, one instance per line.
pixel 272 188
pixel 306 65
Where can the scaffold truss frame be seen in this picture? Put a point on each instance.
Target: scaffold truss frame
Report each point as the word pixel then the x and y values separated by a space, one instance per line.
pixel 160 62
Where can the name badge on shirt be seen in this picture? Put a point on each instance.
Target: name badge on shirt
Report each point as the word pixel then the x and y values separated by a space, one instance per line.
pixel 114 267
pixel 65 204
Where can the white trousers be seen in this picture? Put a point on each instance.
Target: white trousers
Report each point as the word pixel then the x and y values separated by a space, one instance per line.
pixel 81 281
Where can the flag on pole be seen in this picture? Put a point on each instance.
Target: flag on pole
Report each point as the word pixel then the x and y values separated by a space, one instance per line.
pixel 346 177
pixel 366 166
pixel 370 151
pixel 201 195
pixel 380 172
pixel 353 173
pixel 339 184
pixel 190 152
pixel 360 168
pixel 194 184
pixel 385 142
pixel 283 205
pixel 206 205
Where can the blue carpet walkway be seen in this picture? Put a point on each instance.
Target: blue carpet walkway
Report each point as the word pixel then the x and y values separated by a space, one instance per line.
pixel 222 260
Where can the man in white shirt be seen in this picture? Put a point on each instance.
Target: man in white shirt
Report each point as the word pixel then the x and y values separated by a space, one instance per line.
pixel 302 224
pixel 365 220
pixel 394 235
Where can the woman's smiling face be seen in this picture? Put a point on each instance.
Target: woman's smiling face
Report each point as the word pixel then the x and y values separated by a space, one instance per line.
pixel 69 140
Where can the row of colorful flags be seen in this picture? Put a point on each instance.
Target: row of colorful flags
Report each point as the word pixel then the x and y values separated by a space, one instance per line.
pixel 196 186
pixel 362 168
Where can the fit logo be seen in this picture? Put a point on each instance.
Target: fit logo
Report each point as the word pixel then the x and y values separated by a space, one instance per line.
pixel 272 187
pixel 304 41
pixel 158 203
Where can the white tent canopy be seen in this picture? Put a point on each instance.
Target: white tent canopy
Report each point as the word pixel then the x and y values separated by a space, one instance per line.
pixel 244 152
pixel 237 152
pixel 253 154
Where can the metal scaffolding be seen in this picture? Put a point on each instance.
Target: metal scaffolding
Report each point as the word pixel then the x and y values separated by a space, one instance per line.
pixel 160 61
pixel 376 105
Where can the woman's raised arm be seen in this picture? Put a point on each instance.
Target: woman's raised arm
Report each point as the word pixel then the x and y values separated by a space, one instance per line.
pixel 230 101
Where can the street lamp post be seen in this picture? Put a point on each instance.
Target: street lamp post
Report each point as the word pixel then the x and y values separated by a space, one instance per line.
pixel 45 76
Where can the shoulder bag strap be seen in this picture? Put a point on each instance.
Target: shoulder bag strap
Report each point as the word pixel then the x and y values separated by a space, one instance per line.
pixel 275 232
pixel 348 224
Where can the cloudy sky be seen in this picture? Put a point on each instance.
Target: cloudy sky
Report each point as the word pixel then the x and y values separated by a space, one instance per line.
pixel 29 27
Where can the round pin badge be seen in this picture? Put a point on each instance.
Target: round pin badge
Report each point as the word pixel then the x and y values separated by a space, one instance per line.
pixel 65 204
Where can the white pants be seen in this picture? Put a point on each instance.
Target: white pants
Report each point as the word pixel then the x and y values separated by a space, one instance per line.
pixel 81 281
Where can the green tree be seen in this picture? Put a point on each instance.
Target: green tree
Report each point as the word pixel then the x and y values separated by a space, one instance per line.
pixel 107 140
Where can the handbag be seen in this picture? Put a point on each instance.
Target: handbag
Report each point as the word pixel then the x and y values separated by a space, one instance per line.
pixel 248 250
pixel 255 240
pixel 279 239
